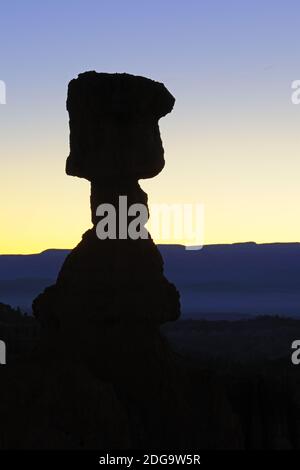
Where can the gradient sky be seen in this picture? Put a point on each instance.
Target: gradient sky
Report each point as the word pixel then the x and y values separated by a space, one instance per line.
pixel 231 142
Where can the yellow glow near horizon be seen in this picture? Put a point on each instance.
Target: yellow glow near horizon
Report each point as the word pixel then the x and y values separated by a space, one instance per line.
pixel 254 196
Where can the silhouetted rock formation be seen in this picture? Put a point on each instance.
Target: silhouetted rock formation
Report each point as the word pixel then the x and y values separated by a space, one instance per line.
pixel 114 127
pixel 114 141
pixel 111 295
pixel 102 375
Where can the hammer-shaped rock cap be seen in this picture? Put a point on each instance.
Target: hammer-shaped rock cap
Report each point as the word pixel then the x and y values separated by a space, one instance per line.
pixel 114 125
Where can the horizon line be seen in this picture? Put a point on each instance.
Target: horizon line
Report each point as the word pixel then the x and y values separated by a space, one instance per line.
pixel 163 245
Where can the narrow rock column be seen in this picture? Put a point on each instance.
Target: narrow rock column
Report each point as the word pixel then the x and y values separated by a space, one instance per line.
pixel 114 142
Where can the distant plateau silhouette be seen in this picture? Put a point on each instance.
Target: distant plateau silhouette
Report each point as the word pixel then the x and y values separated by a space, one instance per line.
pixel 219 281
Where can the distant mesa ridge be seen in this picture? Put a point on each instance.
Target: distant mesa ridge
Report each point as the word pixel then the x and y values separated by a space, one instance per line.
pixel 245 278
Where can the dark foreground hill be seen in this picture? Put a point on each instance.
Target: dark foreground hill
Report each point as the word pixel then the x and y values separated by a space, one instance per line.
pixel 251 361
pixel 240 369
